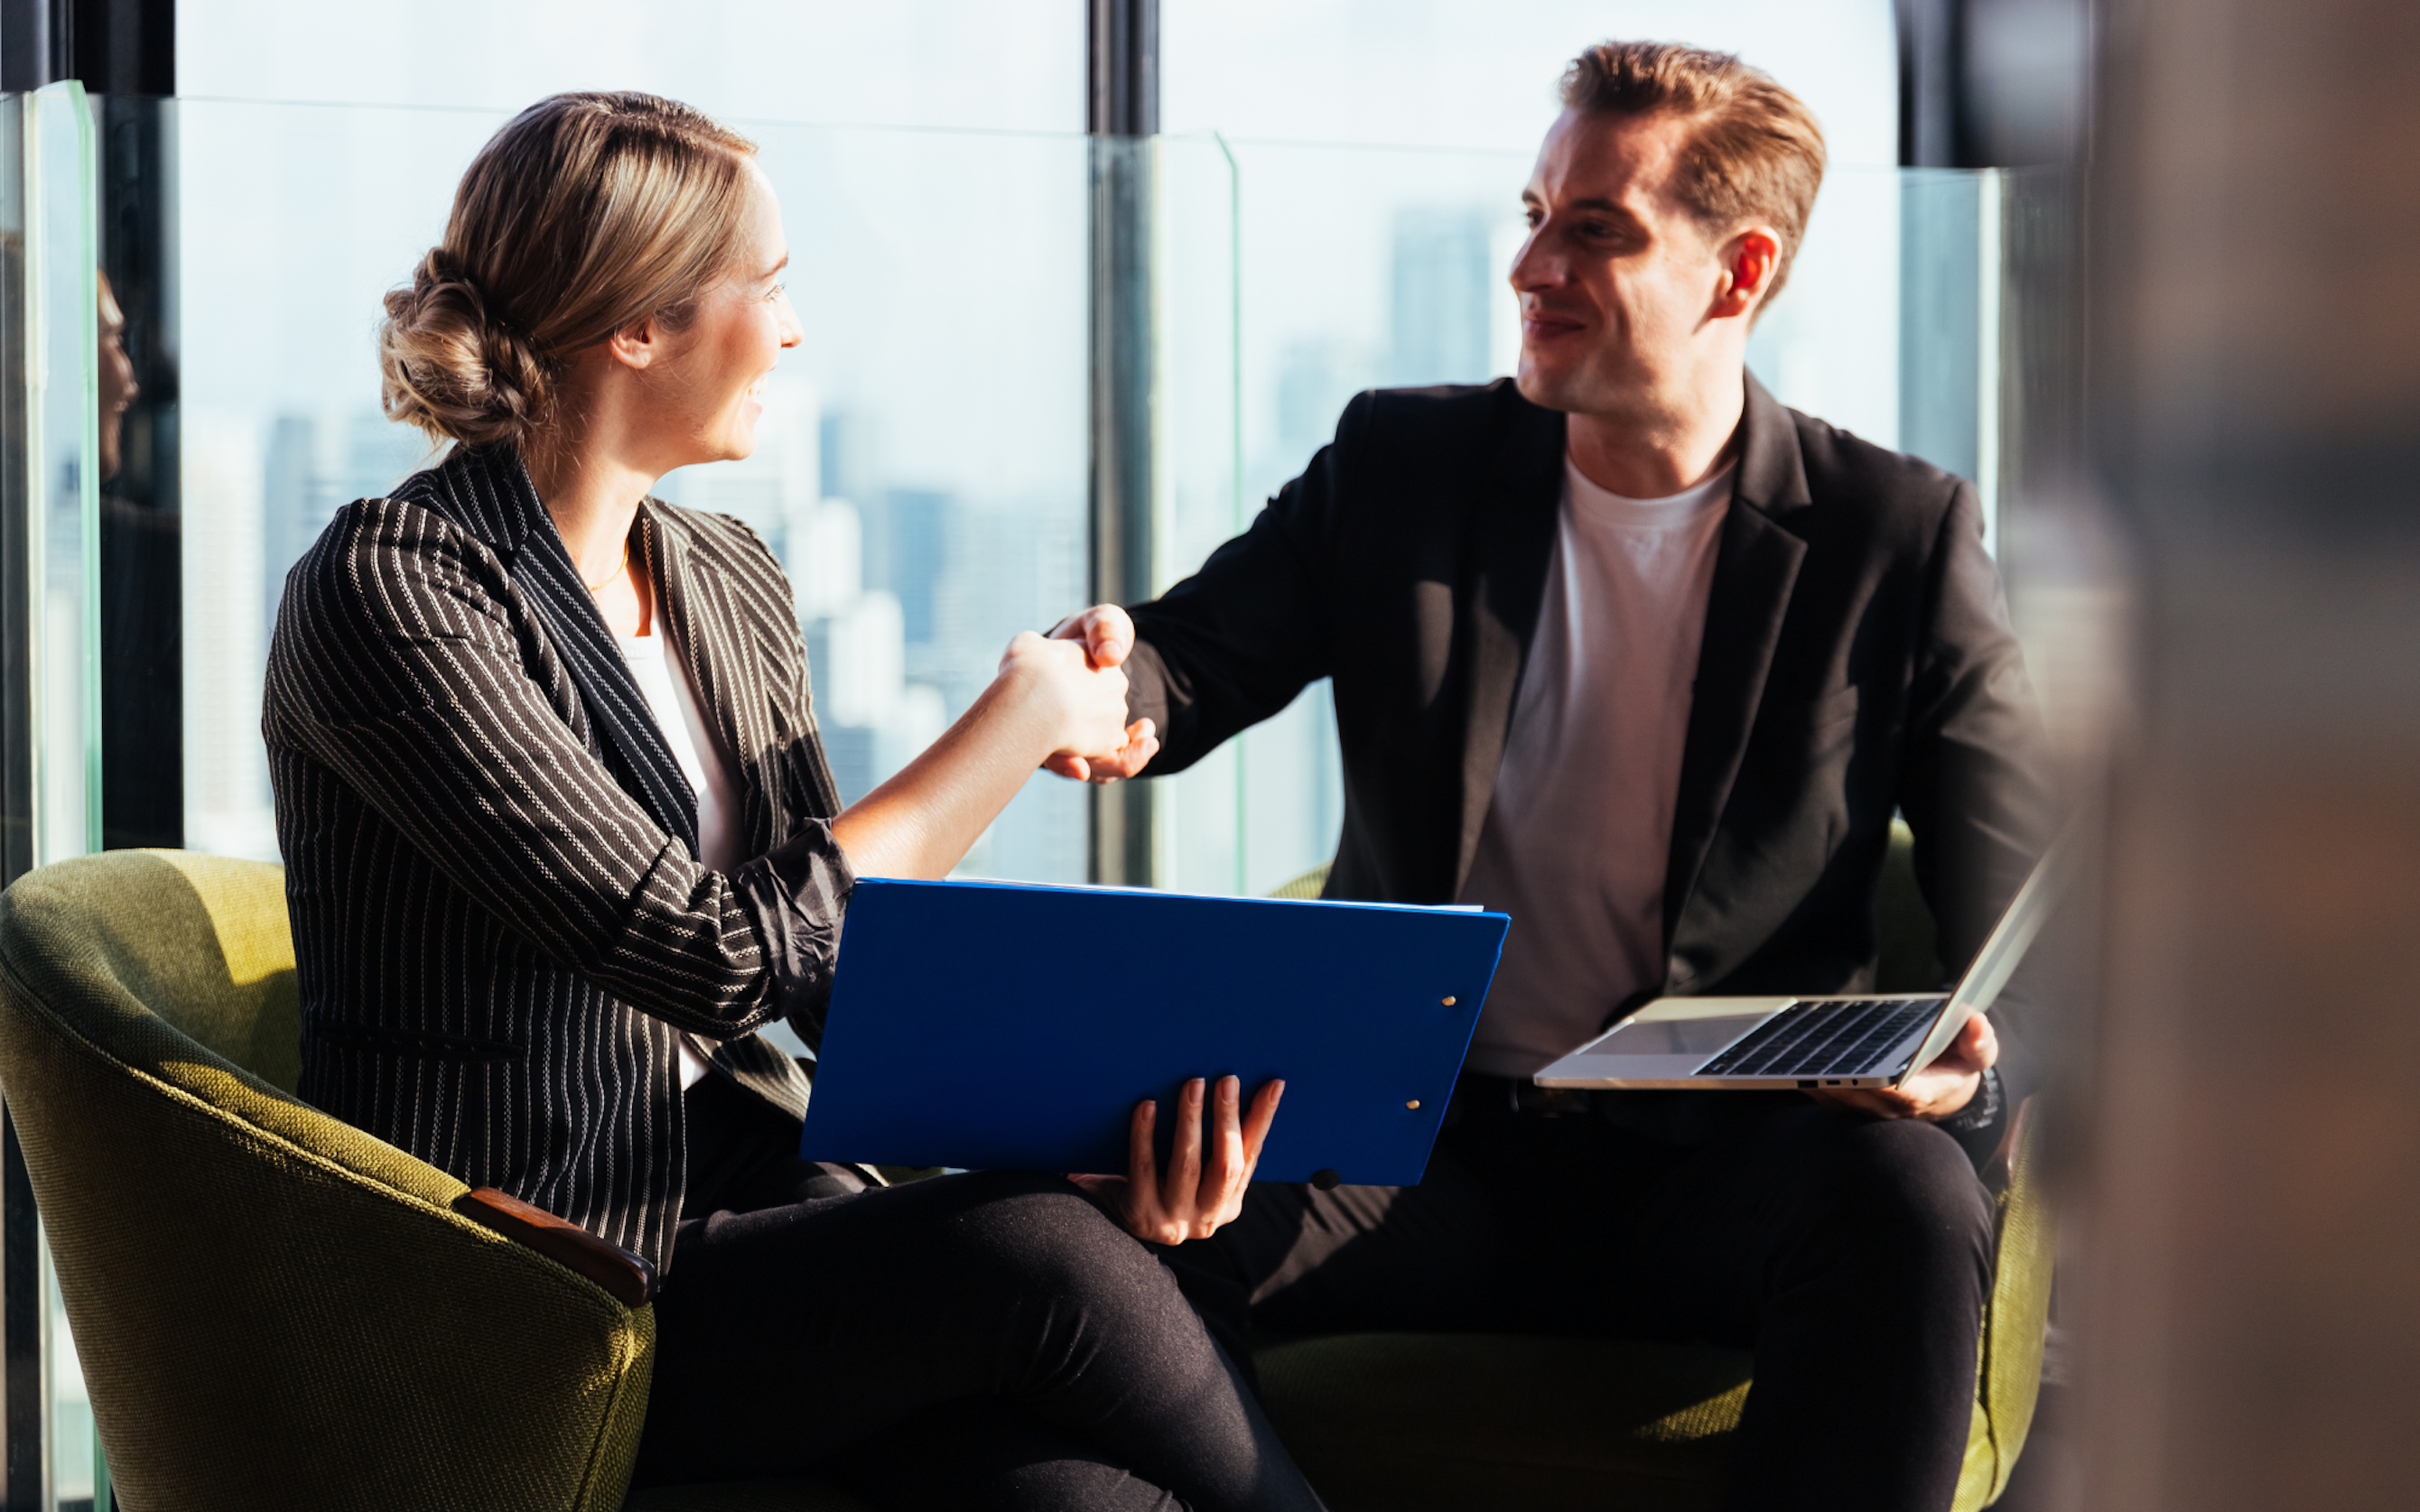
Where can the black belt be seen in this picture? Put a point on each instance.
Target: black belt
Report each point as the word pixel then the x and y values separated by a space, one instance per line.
pixel 1478 1094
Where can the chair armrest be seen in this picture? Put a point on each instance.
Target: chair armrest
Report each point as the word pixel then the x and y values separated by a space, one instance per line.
pixel 2001 1169
pixel 629 1278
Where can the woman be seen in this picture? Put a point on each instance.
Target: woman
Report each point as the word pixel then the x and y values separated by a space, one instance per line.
pixel 560 838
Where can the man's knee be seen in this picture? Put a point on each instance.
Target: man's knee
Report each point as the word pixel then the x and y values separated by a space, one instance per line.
pixel 1904 1189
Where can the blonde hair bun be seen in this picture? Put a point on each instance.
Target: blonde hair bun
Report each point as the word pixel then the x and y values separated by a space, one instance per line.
pixel 586 214
pixel 449 366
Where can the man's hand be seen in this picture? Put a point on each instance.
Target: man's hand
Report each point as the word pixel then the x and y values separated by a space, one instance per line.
pixel 1142 744
pixel 1196 1196
pixel 1937 1092
pixel 1108 636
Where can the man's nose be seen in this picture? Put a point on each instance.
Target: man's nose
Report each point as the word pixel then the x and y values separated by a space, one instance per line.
pixel 1534 266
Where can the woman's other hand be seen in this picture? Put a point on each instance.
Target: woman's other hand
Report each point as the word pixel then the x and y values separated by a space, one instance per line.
pixel 1202 1189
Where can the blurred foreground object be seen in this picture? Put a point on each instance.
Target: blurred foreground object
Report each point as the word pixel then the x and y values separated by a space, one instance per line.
pixel 2250 1318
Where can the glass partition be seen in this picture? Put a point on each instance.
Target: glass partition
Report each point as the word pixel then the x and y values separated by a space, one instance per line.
pixel 921 459
pixel 63 337
pixel 50 598
pixel 1200 495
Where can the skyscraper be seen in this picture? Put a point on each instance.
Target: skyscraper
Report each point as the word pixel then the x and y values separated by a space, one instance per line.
pixel 294 503
pixel 783 472
pixel 1441 297
pixel 227 770
pixel 913 555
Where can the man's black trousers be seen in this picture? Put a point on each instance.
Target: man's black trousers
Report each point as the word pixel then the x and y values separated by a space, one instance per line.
pixel 1851 1253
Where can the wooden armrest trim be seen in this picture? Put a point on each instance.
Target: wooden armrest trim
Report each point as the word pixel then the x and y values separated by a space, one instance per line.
pixel 630 1278
pixel 2001 1168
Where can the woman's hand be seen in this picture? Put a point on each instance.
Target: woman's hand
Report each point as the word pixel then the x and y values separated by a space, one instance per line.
pixel 1081 707
pixel 1197 1195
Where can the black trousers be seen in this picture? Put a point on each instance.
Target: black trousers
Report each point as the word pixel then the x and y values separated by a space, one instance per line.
pixel 1852 1254
pixel 983 1341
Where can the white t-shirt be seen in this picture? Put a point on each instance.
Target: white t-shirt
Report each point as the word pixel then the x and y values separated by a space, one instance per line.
pixel 674 702
pixel 1580 825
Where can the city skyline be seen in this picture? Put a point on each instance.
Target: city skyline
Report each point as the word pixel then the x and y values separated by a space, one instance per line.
pixel 260 490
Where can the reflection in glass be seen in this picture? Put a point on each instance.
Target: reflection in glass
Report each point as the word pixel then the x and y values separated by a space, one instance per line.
pixel 140 641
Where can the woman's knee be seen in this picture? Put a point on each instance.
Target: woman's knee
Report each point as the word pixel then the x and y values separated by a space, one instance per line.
pixel 1039 1236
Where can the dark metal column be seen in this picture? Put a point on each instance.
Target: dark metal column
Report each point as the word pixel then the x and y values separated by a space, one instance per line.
pixel 126 47
pixel 1943 348
pixel 1993 84
pixel 36 43
pixel 142 598
pixel 1122 115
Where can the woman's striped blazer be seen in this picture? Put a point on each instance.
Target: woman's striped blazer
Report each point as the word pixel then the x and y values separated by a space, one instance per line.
pixel 499 921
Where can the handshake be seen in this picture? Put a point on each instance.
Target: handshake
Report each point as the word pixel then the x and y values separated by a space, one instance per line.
pixel 1068 681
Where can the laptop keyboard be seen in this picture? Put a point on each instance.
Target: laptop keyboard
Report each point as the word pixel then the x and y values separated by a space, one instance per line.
pixel 1841 1038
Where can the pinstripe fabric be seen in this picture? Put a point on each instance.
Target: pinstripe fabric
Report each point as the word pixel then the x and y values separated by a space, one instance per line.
pixel 499 923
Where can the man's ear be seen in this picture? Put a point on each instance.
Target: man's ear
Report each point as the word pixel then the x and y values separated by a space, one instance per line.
pixel 1749 261
pixel 637 345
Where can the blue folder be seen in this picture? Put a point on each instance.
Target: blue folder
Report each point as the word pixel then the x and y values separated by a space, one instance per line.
pixel 998 1026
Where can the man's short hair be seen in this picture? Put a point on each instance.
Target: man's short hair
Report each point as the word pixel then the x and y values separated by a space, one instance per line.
pixel 1755 152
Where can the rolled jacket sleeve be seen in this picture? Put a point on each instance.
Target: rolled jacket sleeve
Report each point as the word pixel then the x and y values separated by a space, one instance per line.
pixel 797 893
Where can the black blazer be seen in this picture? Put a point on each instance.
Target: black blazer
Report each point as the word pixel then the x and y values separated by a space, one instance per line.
pixel 500 926
pixel 1857 659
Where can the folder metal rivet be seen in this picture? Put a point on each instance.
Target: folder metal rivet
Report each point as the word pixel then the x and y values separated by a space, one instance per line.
pixel 1414 1104
pixel 1449 1002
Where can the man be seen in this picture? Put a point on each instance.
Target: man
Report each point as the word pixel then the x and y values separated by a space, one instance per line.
pixel 1634 653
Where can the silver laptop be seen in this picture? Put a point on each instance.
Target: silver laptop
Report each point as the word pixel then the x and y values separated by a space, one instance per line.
pixel 1871 1040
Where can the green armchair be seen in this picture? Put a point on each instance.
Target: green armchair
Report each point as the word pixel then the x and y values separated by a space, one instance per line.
pixel 275 1310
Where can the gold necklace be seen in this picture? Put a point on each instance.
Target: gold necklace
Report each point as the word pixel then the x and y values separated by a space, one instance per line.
pixel 620 567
